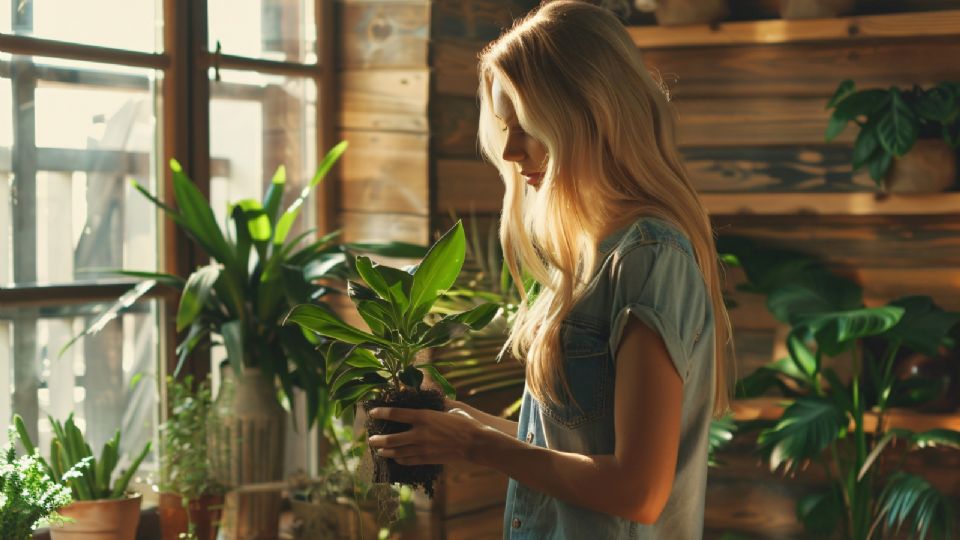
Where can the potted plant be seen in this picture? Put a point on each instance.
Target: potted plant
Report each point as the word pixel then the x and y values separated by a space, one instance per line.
pixel 190 498
pixel 28 496
pixel 377 365
pixel 682 12
pixel 827 318
pixel 907 139
pixel 815 9
pixel 101 510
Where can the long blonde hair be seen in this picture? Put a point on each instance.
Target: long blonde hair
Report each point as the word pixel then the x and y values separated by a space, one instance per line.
pixel 579 86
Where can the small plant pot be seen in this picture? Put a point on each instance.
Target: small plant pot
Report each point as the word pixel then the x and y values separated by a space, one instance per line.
pixel 929 167
pixel 681 12
pixel 109 519
pixel 815 9
pixel 204 514
pixel 386 469
pixel 331 520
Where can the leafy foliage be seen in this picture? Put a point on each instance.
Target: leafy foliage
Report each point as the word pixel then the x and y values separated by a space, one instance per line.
pixel 69 451
pixel 27 493
pixel 395 304
pixel 184 463
pixel 892 120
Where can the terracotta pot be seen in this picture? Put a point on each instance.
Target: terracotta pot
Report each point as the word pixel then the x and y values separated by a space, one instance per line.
pixel 332 521
pixel 929 167
pixel 246 439
pixel 680 12
pixel 815 9
pixel 204 513
pixel 109 519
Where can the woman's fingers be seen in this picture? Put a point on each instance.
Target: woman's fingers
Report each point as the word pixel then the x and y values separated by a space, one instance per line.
pixel 395 439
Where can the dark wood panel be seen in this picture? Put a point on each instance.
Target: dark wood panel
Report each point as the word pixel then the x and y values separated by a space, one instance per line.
pixel 385 172
pixel 385 100
pixel 811 70
pixel 383 34
pixel 481 20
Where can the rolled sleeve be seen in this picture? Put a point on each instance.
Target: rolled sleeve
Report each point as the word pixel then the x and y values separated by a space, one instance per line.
pixel 662 287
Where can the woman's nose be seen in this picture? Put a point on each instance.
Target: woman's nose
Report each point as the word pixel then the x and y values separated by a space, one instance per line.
pixel 513 149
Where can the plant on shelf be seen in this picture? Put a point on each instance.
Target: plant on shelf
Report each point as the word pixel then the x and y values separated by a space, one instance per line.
pixel 377 366
pixel 827 318
pixel 190 496
pixel 29 497
pixel 96 494
pixel 891 122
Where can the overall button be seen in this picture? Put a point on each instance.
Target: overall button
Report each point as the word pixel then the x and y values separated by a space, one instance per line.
pixel 530 437
pixel 516 523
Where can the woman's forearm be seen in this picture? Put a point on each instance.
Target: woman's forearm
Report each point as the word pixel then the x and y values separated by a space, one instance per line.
pixel 595 482
pixel 502 425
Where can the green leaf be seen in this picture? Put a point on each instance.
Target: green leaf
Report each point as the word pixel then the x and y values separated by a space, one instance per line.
pixel 241 227
pixel 374 279
pixel 196 334
pixel 439 269
pixel 478 317
pixel 879 166
pixel 258 222
pixel 317 319
pixel 442 333
pixel 375 313
pixel 160 277
pixel 936 437
pixel 898 128
pixel 835 127
pixel 837 332
pixel 845 88
pixel 908 498
pixel 363 358
pixel 814 290
pixel 806 429
pixel 120 487
pixel 821 513
pixel 285 223
pixel 274 195
pixel 936 104
pixel 198 218
pixel 721 433
pixel 862 103
pixel 802 357
pixel 438 378
pixel 412 377
pixel 232 333
pixel 195 294
pixel 865 145
pixel 399 250
pixel 924 326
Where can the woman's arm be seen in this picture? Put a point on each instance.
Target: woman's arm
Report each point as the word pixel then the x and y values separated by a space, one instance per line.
pixel 508 427
pixel 633 483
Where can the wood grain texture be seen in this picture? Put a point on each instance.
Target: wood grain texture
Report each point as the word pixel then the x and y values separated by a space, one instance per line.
pixel 383 34
pixel 384 100
pixel 946 205
pixel 481 20
pixel 385 172
pixel 381 227
pixel 465 186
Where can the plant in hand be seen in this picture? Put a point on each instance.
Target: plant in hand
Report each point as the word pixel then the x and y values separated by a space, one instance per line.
pixel 377 366
pixel 891 120
pixel 28 495
pixel 68 450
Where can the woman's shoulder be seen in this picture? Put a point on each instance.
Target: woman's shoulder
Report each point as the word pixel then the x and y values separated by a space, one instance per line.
pixel 650 232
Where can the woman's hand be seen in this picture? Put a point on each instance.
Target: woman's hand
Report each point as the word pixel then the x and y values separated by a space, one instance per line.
pixel 434 438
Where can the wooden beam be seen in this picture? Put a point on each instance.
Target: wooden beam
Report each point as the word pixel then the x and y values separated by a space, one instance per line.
pixel 908 25
pixel 32 46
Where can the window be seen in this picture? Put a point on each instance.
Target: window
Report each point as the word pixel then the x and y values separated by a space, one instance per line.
pixel 231 90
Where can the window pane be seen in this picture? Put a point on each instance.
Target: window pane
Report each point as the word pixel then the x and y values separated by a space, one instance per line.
pixel 108 380
pixel 67 209
pixel 258 122
pixel 90 22
pixel 273 29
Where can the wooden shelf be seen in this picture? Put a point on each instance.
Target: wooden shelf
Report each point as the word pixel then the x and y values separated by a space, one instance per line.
pixel 770 408
pixel 903 25
pixel 842 204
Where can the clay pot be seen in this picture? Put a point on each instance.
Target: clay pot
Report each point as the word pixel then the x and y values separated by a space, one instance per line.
pixel 331 521
pixel 815 9
pixel 108 519
pixel 681 12
pixel 929 167
pixel 204 513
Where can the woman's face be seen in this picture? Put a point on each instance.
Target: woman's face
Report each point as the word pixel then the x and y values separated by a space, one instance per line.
pixel 528 153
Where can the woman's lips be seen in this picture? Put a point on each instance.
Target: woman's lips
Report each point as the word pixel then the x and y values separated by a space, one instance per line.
pixel 533 179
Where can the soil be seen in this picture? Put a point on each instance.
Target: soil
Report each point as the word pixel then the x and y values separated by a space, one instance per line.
pixel 386 469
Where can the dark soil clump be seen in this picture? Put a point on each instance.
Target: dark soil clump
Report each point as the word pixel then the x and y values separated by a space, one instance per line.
pixel 386 469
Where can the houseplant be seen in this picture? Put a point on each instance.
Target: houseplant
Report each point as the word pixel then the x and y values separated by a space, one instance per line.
pixel 28 496
pixel 102 510
pixel 378 366
pixel 827 317
pixel 907 138
pixel 190 498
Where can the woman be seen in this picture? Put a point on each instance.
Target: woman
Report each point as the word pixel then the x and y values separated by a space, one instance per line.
pixel 624 344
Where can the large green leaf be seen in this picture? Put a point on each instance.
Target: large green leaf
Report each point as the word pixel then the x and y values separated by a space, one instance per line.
pixel 924 326
pixel 286 221
pixel 448 389
pixel 195 294
pixel 816 290
pixel 835 127
pixel 836 332
pixel 274 195
pixel 805 360
pixel 880 165
pixel 862 103
pixel 319 320
pixel 936 104
pixel 198 218
pixel 374 279
pixel 258 222
pixel 806 429
pixel 442 333
pixel 439 269
pixel 844 90
pixel 721 433
pixel 865 146
pixel 908 498
pixel 477 318
pixel 232 333
pixel 898 128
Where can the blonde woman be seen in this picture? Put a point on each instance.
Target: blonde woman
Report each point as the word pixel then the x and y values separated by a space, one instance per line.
pixel 624 344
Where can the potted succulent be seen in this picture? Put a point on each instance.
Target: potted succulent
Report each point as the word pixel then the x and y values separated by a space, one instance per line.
pixel 681 12
pixel 190 498
pixel 377 366
pixel 29 497
pixel 827 317
pixel 815 9
pixel 907 139
pixel 102 510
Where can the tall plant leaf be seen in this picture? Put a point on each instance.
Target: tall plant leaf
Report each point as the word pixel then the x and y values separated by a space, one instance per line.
pixel 816 290
pixel 317 319
pixel 195 294
pixel 198 218
pixel 898 128
pixel 439 269
pixel 836 332
pixel 924 326
pixel 806 429
pixel 910 499
pixel 274 195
